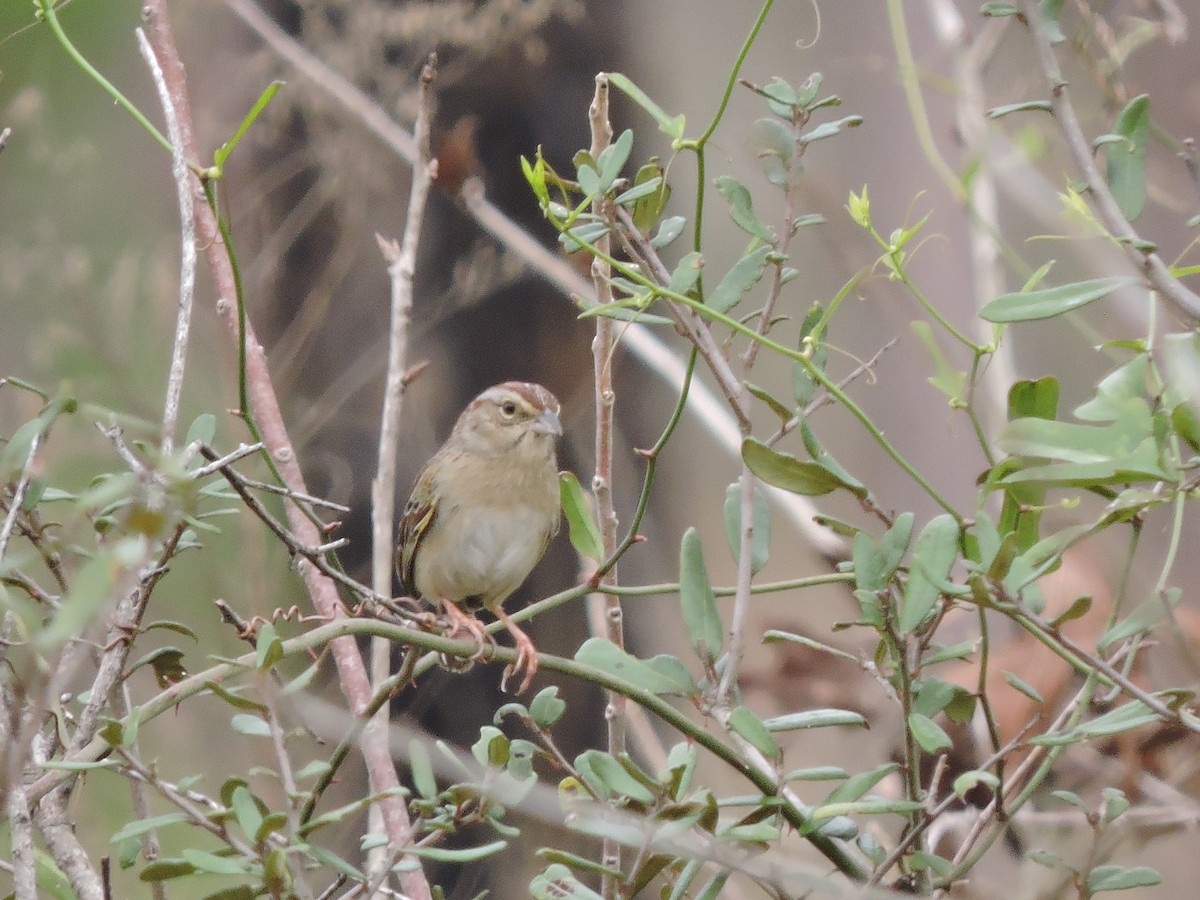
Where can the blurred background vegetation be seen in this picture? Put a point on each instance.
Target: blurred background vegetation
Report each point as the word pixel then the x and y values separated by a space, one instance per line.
pixel 89 256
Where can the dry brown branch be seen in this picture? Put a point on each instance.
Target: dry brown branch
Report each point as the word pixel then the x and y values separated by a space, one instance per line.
pixel 352 672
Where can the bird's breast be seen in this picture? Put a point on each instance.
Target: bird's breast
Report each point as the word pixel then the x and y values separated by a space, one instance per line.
pixel 486 552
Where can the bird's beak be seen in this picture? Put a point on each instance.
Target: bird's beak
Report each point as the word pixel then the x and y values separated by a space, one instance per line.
pixel 547 423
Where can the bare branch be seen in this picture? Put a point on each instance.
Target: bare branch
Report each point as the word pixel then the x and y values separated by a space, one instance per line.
pixel 184 187
pixel 402 264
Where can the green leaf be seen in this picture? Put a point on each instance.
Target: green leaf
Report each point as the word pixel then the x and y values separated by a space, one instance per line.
pixel 934 554
pixel 581 521
pixel 967 780
pixel 225 149
pixel 818 773
pixel 947 379
pixel 165 869
pixel 422 769
pixel 1124 451
pixel 686 274
pixel 1118 878
pixel 1044 304
pixel 450 854
pixel 741 209
pixel 1115 803
pixel 804 385
pixel 1024 687
pixel 247 812
pixel 997 112
pixel 237 701
pixel 671 228
pixel 141 826
pixel 745 274
pixel 761 520
pixel 784 471
pixel 648 208
pixel 245 723
pixel 15 453
pixel 673 126
pixel 638 191
pixel 857 785
pixel 875 562
pixel 1077 610
pixel 1143 618
pixel 1127 717
pixel 1116 390
pixel 269 649
pixel 218 865
pixel 612 777
pixel 772 143
pixel 167 663
pixel 829 129
pixel 1127 157
pixel 745 723
pixel 557 883
pixel 815 718
pixel 492 747
pixel 613 158
pixel 933 695
pixel 699 603
pixel 761 393
pixel 546 708
pixel 603 654
pixel 928 734
pixel 1034 399
pixel 203 429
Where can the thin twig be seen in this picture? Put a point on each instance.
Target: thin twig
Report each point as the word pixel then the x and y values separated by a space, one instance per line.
pixel 825 398
pixel 402 264
pixel 117 436
pixel 242 451
pixel 287 780
pixel 290 539
pixel 187 268
pixel 18 497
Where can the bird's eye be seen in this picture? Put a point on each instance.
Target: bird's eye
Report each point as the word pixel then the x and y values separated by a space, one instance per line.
pixel 509 408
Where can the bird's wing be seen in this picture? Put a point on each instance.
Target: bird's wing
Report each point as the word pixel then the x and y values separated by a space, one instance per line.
pixel 418 516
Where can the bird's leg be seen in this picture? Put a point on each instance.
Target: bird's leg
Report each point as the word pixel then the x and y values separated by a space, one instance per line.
pixel 460 622
pixel 526 654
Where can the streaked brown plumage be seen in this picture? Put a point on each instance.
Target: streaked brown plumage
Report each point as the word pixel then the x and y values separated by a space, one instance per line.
pixel 484 508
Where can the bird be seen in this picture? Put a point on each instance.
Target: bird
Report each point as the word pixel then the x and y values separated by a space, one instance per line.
pixel 483 510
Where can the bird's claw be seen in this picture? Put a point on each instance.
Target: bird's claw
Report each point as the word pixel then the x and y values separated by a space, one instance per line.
pixel 526 661
pixel 461 622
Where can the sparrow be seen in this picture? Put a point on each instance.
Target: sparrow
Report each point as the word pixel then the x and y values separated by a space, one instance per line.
pixel 483 510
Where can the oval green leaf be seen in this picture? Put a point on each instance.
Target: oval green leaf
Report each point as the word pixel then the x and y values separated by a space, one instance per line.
pixel 1045 304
